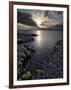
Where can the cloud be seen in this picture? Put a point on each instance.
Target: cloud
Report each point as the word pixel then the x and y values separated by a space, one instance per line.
pixel 40 18
pixel 25 18
pixel 53 18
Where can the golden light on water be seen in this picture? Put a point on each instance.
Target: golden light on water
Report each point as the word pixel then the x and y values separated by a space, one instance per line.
pixel 39 37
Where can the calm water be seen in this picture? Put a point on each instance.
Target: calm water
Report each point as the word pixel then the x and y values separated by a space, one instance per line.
pixel 45 40
pixel 43 45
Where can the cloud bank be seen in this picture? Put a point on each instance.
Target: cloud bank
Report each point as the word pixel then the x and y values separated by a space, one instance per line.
pixel 40 18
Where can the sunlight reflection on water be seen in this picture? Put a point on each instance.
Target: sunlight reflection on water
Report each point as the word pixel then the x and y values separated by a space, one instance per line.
pixel 39 37
pixel 47 38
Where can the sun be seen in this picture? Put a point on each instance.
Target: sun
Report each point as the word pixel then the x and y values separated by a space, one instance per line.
pixel 38 23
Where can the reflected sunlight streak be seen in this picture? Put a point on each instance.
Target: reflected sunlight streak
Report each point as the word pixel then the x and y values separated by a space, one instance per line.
pixel 39 37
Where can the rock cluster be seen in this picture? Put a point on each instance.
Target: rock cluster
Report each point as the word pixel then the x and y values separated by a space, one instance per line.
pixel 45 68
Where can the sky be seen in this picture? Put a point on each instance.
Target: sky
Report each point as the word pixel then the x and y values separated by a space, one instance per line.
pixel 43 18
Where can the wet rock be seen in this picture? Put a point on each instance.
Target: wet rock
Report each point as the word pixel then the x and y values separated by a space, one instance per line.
pixel 26 75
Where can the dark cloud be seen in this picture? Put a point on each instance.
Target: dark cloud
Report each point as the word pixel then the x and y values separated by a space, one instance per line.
pixel 25 18
pixel 52 14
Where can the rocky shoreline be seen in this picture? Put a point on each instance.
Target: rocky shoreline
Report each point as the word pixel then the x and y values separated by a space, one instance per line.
pixel 30 69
